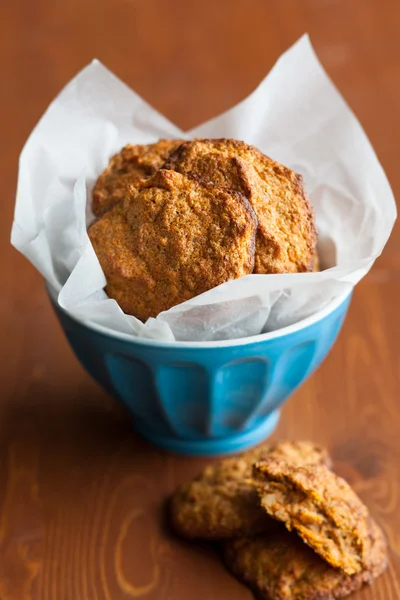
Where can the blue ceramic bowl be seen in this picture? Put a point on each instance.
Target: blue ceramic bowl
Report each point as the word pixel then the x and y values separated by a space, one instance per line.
pixel 206 398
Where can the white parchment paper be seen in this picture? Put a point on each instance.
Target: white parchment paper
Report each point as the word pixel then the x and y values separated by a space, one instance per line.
pixel 296 116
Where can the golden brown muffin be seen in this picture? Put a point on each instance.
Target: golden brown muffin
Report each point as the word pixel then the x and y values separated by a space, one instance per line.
pixel 129 166
pixel 280 567
pixel 286 235
pixel 222 502
pixel 321 507
pixel 176 240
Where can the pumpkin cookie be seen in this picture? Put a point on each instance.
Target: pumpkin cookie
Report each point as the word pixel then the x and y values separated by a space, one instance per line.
pixel 176 240
pixel 286 235
pixel 321 507
pixel 279 566
pixel 222 502
pixel 129 167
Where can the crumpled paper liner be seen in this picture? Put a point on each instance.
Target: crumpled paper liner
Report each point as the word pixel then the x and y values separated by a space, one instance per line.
pixel 296 116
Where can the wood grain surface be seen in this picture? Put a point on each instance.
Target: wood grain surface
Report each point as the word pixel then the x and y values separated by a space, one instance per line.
pixel 80 494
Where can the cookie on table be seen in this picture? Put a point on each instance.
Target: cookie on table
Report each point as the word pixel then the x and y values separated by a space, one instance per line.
pixel 321 507
pixel 286 235
pixel 279 566
pixel 129 167
pixel 174 240
pixel 222 502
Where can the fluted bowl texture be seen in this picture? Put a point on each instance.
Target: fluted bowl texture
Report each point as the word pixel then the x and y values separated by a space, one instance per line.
pixel 205 398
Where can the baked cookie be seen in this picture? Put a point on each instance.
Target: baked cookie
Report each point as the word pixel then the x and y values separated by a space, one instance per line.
pixel 279 566
pixel 286 235
pixel 321 507
pixel 129 167
pixel 176 240
pixel 222 502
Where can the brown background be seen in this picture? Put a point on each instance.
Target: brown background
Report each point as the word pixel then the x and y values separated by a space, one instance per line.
pixel 80 494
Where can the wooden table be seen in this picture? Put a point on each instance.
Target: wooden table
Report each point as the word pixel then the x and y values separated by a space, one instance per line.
pixel 80 494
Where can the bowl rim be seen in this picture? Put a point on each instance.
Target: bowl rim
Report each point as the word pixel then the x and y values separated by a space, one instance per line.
pixel 334 304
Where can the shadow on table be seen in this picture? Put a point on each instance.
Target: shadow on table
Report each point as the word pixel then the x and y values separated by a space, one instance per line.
pixel 82 435
pixel 76 429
